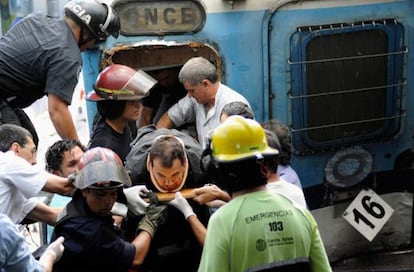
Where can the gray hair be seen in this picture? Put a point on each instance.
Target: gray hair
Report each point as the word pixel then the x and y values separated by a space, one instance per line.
pixel 197 69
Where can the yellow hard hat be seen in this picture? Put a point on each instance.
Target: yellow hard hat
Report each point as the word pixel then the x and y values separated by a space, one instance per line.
pixel 239 138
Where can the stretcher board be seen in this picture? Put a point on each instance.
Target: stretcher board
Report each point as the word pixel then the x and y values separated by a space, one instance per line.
pixel 162 197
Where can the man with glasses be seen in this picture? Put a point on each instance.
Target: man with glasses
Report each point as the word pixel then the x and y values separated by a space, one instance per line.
pixel 42 56
pixel 21 181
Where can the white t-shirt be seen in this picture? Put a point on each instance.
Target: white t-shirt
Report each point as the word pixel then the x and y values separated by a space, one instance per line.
pixel 19 181
pixel 292 192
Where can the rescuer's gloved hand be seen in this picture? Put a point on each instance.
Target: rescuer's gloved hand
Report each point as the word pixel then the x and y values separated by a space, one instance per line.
pixel 119 209
pixel 181 204
pixel 135 203
pixel 151 196
pixel 54 250
pixel 154 216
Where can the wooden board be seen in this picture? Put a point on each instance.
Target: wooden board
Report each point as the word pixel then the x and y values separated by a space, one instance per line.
pixel 162 197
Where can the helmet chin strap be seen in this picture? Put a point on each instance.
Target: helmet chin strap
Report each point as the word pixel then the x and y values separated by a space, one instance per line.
pixel 107 21
pixel 83 41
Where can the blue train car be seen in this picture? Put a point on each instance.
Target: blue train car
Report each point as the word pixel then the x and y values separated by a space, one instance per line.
pixel 339 73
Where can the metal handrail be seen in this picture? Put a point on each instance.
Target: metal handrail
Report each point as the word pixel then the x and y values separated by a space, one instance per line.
pixel 293 130
pixel 405 51
pixel 348 91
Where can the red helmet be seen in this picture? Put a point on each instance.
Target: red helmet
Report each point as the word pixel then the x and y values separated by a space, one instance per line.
pixel 101 168
pixel 121 82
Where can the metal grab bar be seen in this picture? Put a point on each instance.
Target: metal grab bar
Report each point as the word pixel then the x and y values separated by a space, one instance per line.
pixel 293 130
pixel 347 91
pixel 405 51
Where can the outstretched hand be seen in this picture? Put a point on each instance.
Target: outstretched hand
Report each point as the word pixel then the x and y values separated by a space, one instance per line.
pixel 211 195
pixel 180 203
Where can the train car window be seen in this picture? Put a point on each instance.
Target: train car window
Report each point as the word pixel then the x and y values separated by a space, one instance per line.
pixel 153 55
pixel 347 83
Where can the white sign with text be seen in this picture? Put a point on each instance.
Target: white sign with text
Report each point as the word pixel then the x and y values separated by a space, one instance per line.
pixel 368 213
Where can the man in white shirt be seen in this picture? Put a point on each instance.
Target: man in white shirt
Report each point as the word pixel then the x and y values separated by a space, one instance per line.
pixel 205 99
pixel 20 180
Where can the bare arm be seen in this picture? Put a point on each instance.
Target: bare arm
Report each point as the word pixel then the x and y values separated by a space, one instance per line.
pixel 198 229
pixel 60 185
pixel 210 193
pixel 155 215
pixel 61 118
pixel 44 213
pixel 165 121
pixel 180 203
pixel 142 244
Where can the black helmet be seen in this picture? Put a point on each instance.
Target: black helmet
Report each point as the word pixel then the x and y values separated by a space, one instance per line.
pixel 99 18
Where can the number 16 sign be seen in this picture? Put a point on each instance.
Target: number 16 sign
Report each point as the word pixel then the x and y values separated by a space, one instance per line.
pixel 368 213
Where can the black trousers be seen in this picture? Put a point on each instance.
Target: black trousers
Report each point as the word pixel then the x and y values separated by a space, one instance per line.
pixel 17 116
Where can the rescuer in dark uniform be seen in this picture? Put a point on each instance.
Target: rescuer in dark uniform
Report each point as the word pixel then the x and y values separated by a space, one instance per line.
pixel 41 56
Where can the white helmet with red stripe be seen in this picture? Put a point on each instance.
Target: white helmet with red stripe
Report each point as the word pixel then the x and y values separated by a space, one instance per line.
pixel 101 168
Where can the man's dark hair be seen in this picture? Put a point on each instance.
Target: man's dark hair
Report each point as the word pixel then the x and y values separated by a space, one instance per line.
pixel 272 162
pixel 167 148
pixel 240 175
pixel 282 133
pixel 111 109
pixel 10 134
pixel 54 154
pixel 238 108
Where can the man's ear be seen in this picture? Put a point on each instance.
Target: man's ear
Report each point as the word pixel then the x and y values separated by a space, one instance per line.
pixel 57 173
pixel 205 82
pixel 15 147
pixel 264 170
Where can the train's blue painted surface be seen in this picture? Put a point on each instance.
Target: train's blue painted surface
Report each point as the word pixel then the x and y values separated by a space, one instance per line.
pixel 339 73
pixel 384 151
pixel 267 52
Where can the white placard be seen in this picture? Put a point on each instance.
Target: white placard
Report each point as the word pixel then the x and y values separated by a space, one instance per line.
pixel 368 213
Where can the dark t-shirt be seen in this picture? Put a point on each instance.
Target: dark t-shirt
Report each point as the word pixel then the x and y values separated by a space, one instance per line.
pixel 105 136
pixel 161 99
pixel 38 56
